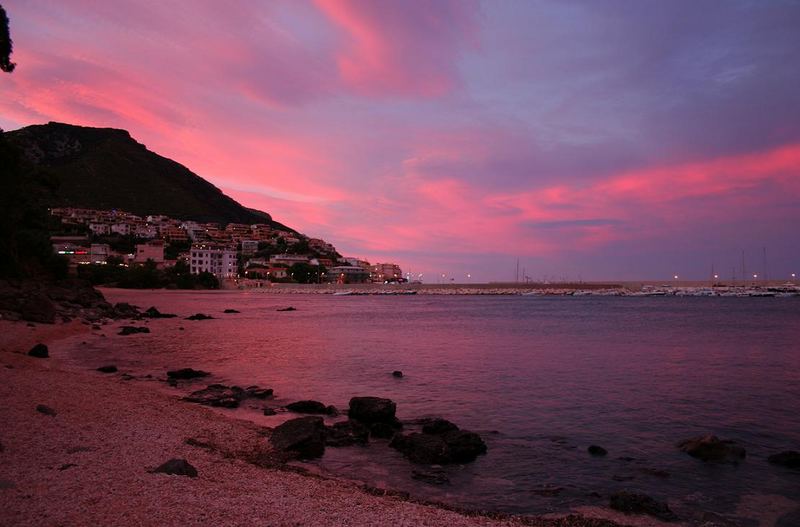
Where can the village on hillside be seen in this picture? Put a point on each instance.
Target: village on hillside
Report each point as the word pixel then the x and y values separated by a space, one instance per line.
pixel 246 254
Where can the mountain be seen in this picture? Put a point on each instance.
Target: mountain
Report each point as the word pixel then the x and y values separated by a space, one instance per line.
pixel 105 168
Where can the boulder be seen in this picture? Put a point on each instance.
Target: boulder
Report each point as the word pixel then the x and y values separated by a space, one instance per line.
pixel 346 433
pixel 372 410
pixel 258 393
pixel 39 351
pixel 303 437
pixel 177 467
pixel 384 430
pixel 635 503
pixel 152 312
pixel 199 316
pixel 426 449
pixel 286 309
pixel 397 373
pixel 187 373
pixel 124 310
pixel 711 448
pixel 307 407
pixel 131 330
pixel 596 450
pixel 438 426
pixel 217 395
pixel 789 459
pixel 447 445
pixel 46 410
pixel 231 311
pixel 39 308
pixel 107 369
pixel 464 446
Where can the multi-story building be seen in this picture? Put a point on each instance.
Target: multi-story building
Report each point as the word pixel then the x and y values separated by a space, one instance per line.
pixel 287 259
pixel 385 272
pixel 152 250
pixel 219 260
pixel 249 247
pixel 348 274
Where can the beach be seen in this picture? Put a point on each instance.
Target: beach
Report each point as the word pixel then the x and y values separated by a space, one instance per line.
pixel 90 463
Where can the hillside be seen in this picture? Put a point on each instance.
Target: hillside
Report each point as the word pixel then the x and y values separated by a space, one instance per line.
pixel 105 168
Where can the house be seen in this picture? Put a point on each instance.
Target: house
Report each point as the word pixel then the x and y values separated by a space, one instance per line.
pixel 219 260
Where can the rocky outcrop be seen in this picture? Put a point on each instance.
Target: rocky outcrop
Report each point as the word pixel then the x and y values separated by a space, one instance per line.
pixel 177 467
pixel 39 351
pixel 107 369
pixel 440 442
pixel 39 308
pixel 596 450
pixel 199 316
pixel 187 373
pixel 372 410
pixel 226 396
pixel 397 374
pixel 635 503
pixel 231 311
pixel 789 459
pixel 346 433
pixel 286 309
pixel 50 301
pixel 152 312
pixel 310 407
pixel 711 448
pixel 303 437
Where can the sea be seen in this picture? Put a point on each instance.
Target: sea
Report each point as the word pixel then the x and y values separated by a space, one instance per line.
pixel 539 378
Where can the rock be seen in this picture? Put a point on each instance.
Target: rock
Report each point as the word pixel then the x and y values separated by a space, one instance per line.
pixel 230 311
pixel 258 393
pixel 303 437
pixel 39 308
pixel 286 309
pixel 39 351
pixel 131 330
pixel 438 426
pixel 432 477
pixel 346 433
pixel 372 410
pixel 426 449
pixel 187 373
pixel 107 369
pixel 152 312
pixel 307 407
pixel 711 448
pixel 177 467
pixel 789 458
pixel 199 316
pixel 125 310
pixel 397 373
pixel 269 411
pixel 464 445
pixel 46 410
pixel 383 430
pixel 597 450
pixel 217 395
pixel 634 503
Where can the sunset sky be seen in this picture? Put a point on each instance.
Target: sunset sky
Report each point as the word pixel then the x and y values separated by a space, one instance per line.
pixel 592 140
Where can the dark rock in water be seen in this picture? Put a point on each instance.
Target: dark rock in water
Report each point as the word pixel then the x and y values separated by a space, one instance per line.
pixel 711 448
pixel 177 467
pixel 173 382
pixel 258 393
pixel 426 449
pixel 187 373
pixel 438 426
pixel 790 459
pixel 372 410
pixel 107 369
pixel 634 503
pixel 307 407
pixel 269 411
pixel 152 312
pixel 303 437
pixel 464 445
pixel 230 311
pixel 39 308
pixel 397 373
pixel 596 450
pixel 46 410
pixel 332 410
pixel 217 395
pixel 432 477
pixel 131 330
pixel 39 351
pixel 286 309
pixel 199 316
pixel 346 433
pixel 384 430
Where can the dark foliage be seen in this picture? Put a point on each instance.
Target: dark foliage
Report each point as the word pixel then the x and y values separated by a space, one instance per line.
pixel 147 276
pixel 6 45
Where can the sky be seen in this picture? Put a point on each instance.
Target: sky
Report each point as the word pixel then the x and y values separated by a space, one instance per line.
pixel 588 140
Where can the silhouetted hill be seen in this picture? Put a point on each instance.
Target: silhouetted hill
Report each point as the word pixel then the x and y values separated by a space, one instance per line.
pixel 105 168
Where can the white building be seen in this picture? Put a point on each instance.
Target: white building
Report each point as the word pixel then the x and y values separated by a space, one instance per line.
pixel 219 260
pixel 152 250
pixel 99 228
pixel 287 259
pixel 121 228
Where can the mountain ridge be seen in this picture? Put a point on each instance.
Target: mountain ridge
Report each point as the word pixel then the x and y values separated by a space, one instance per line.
pixel 106 168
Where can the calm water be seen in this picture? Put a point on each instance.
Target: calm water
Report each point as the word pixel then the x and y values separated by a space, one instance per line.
pixel 539 378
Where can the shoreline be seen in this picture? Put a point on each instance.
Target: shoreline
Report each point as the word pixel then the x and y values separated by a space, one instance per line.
pixel 89 463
